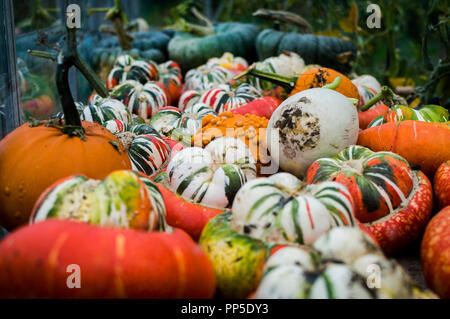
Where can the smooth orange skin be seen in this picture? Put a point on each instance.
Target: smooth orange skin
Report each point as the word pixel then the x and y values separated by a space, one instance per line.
pixel 424 145
pixel 318 77
pixel 188 216
pixel 33 158
pixel 441 184
pixel 435 254
pixel 366 117
pixel 114 263
pixel 394 233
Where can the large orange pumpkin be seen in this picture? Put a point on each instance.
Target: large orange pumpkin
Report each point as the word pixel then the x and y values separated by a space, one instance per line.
pixel 42 260
pixel 33 158
pixel 36 155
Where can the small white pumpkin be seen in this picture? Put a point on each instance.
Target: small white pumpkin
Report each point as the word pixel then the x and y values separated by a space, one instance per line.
pixel 311 124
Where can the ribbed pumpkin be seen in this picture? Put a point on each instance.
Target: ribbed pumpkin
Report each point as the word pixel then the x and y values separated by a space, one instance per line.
pixel 213 175
pixel 281 209
pixel 424 145
pixel 225 98
pixel 425 113
pixel 113 263
pixel 123 199
pixel 206 77
pixel 147 150
pixel 188 121
pixel 126 68
pixel 143 100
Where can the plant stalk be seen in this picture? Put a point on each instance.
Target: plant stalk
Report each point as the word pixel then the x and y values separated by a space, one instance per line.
pixel 287 82
pixel 385 94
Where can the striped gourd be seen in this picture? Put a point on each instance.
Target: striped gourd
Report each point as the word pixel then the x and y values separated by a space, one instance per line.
pixel 211 176
pixel 147 150
pixel 426 113
pixel 294 273
pixel 170 75
pixel 188 99
pixel 126 68
pixel 124 199
pixel 101 110
pixel 287 64
pixel 189 120
pixel 378 181
pixel 282 209
pixel 143 100
pixel 225 98
pixel 206 77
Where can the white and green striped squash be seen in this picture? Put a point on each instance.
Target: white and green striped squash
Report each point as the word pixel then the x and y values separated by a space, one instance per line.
pixel 125 199
pixel 211 176
pixel 147 150
pixel 126 68
pixel 188 121
pixel 287 64
pixel 143 100
pixel 282 209
pixel 358 250
pixel 101 110
pixel 226 98
pixel 293 273
pixel 206 77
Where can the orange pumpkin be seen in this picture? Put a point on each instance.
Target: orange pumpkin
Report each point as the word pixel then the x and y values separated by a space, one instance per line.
pixel 42 260
pixel 315 77
pixel 33 158
pixel 442 184
pixel 424 145
pixel 319 77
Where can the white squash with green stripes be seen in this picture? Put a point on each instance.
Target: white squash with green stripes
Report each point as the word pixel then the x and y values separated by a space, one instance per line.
pixel 188 121
pixel 206 77
pixel 297 273
pixel 211 176
pixel 281 209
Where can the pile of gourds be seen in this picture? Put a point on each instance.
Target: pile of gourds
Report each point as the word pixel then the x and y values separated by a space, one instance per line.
pixel 275 180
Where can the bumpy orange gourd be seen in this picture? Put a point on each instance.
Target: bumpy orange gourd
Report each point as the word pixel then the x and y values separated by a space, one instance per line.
pixel 441 184
pixel 319 77
pixel 33 158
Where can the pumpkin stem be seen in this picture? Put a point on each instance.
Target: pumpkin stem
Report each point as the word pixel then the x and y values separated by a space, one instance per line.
pixel 285 17
pixel 195 29
pixel 287 82
pixel 201 17
pixel 333 85
pixel 43 54
pixel 386 94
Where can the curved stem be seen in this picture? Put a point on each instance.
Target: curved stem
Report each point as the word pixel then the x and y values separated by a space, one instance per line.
pixel 201 17
pixel 288 82
pixel 335 84
pixel 43 54
pixel 184 26
pixel 385 94
pixel 285 17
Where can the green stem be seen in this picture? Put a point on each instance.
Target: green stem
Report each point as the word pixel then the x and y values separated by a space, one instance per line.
pixel 288 82
pixel 43 54
pixel 335 84
pixel 385 94
pixel 184 26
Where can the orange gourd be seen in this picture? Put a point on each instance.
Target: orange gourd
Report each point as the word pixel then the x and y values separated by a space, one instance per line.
pixel 424 145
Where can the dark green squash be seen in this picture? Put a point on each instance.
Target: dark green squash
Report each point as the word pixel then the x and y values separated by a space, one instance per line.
pixel 329 52
pixel 191 51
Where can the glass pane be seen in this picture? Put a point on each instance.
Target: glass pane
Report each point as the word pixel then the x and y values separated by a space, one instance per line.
pixel 38 27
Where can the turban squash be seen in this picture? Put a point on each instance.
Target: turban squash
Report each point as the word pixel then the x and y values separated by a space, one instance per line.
pixel 393 201
pixel 134 264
